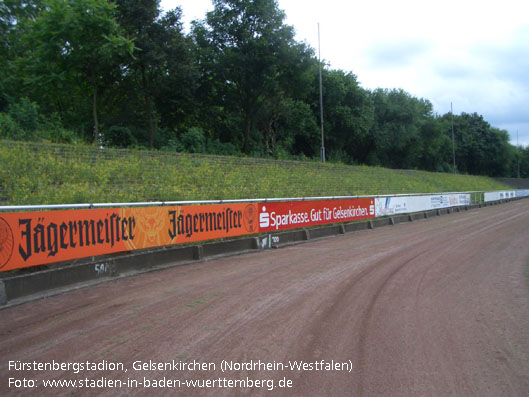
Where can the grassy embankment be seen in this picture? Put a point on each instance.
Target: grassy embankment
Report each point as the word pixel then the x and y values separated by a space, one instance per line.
pixel 55 174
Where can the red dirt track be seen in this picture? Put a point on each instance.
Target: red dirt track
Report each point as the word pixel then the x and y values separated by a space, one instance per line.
pixel 436 307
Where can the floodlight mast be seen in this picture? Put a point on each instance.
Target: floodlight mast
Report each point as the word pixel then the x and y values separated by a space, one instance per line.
pixel 518 153
pixel 453 140
pixel 322 153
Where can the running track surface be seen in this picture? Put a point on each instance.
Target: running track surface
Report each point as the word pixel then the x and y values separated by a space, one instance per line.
pixel 435 307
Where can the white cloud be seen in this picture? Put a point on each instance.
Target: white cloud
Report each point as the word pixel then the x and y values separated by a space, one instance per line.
pixel 396 53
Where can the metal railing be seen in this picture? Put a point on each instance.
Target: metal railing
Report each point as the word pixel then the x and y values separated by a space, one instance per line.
pixel 477 197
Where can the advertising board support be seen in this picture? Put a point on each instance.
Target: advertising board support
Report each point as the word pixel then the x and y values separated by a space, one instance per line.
pixel 3 295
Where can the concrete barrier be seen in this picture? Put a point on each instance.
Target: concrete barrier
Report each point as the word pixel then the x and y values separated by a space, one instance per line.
pixel 381 222
pixel 416 217
pixel 229 246
pixel 430 213
pixel 280 239
pixel 26 286
pixel 33 285
pixel 356 227
pixel 400 219
pixel 3 296
pixel 326 231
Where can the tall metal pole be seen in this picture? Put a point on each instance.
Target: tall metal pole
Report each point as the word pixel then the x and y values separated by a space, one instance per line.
pixel 322 153
pixel 453 140
pixel 518 152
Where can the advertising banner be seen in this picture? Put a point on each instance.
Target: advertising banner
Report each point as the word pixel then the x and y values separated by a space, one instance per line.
pixel 37 238
pixel 386 206
pixel 495 196
pixel 449 200
pixel 521 193
pixel 296 214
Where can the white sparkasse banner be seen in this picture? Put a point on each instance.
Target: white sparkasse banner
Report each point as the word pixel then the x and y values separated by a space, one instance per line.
pixel 494 196
pixel 385 206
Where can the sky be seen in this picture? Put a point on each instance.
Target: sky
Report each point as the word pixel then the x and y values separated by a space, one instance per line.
pixel 471 54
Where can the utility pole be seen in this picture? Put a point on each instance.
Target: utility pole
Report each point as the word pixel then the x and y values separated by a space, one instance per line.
pixel 453 140
pixel 322 153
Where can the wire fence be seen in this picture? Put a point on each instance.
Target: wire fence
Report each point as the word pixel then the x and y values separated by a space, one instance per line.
pixel 36 173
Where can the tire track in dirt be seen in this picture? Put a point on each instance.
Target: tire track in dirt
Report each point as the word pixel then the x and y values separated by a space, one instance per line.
pixel 367 319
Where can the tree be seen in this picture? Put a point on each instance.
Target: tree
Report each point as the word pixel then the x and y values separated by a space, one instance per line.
pixel 245 48
pixel 396 130
pixel 498 153
pixel 161 75
pixel 480 148
pixel 14 15
pixel 77 43
pixel 524 163
pixel 436 146
pixel 5 26
pixel 348 115
pixel 176 78
pixel 137 19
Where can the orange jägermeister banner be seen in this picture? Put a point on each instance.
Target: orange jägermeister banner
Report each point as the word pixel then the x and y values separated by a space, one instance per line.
pixel 38 238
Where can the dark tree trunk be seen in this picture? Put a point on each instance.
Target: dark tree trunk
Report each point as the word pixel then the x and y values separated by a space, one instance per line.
pixel 94 112
pixel 247 135
pixel 149 107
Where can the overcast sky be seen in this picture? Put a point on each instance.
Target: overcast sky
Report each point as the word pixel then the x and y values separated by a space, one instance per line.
pixel 474 54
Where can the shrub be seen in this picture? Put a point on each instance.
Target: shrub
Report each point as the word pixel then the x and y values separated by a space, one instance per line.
pixel 61 135
pixel 9 128
pixel 118 136
pixel 174 145
pixel 26 114
pixel 221 148
pixel 194 140
pixel 52 130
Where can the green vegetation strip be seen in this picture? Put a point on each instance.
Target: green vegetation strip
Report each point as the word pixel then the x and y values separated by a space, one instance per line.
pixel 60 174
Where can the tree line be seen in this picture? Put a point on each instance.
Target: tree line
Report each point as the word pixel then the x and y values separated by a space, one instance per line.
pixel 126 74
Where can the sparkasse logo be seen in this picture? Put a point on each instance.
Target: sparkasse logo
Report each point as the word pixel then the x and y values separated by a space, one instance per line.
pixel 264 218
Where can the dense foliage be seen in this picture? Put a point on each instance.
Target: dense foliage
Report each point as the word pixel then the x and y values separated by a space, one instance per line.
pixel 124 74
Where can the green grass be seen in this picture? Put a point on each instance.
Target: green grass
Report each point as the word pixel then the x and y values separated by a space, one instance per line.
pixel 61 174
pixel 527 272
